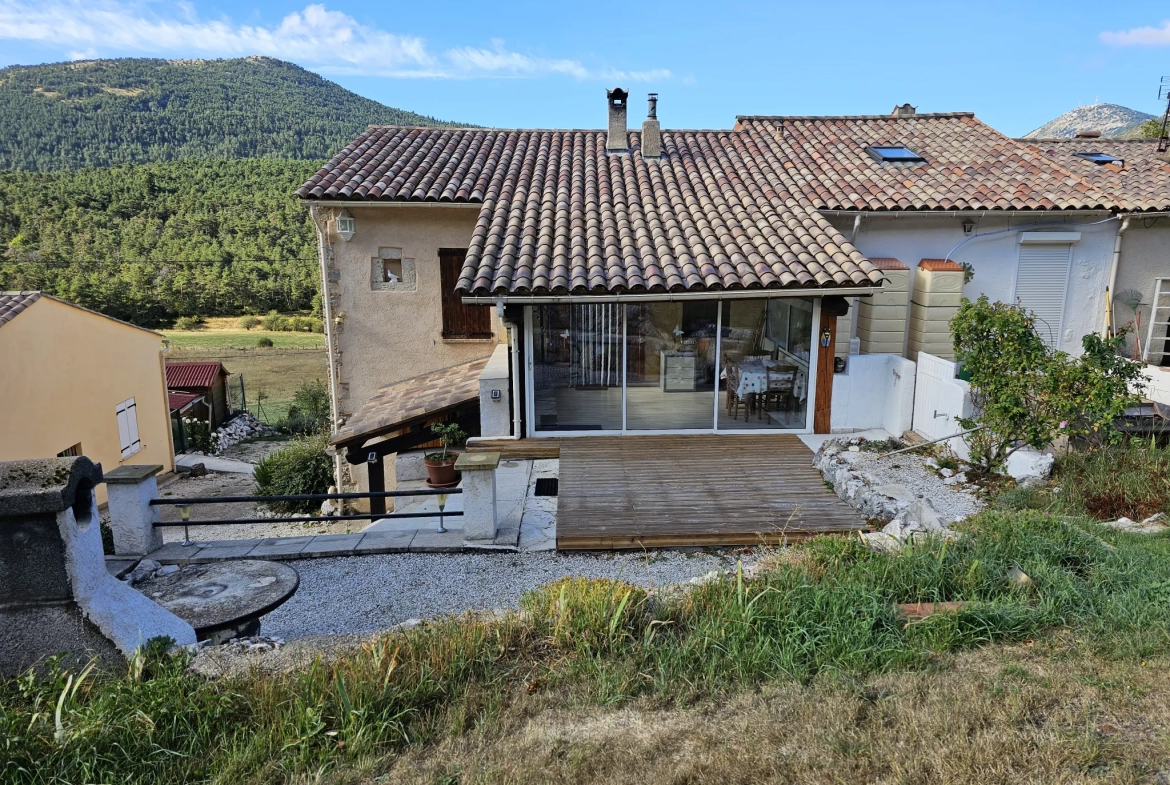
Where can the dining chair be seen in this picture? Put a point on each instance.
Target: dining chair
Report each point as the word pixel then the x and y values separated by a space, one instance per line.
pixel 733 400
pixel 778 392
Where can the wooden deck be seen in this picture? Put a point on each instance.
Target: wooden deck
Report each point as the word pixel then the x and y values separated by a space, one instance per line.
pixel 670 491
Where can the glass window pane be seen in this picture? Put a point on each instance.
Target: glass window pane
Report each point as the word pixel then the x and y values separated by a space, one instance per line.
pixel 765 352
pixel 576 367
pixel 670 365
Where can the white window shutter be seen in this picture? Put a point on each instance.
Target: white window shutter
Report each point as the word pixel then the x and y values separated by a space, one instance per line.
pixel 127 413
pixel 1041 283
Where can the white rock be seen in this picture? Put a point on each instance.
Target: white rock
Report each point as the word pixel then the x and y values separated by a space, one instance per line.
pixel 169 569
pixel 881 542
pixel 1028 466
pixel 957 479
pixel 854 448
pixel 895 491
pixel 946 472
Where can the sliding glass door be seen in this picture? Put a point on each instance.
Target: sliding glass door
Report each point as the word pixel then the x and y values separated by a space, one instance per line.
pixel 688 365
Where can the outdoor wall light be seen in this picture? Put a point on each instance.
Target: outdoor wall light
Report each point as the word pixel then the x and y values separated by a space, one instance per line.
pixel 185 514
pixel 345 225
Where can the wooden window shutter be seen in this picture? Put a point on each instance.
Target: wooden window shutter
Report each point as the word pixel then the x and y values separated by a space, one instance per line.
pixel 459 320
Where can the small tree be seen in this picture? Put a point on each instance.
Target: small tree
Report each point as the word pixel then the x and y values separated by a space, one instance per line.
pixel 449 433
pixel 1026 394
pixel 310 409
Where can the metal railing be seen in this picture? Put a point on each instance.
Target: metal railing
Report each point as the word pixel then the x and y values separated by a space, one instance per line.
pixel 185 505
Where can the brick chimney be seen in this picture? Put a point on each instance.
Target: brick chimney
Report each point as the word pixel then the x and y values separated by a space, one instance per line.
pixel 617 141
pixel 652 131
pixel 905 110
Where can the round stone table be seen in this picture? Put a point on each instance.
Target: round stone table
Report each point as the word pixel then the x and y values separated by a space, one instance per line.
pixel 223 600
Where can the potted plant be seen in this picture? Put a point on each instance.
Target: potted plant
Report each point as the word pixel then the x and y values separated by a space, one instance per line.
pixel 441 465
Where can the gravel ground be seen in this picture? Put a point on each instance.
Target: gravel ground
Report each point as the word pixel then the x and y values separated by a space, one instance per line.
pixel 370 593
pixel 910 470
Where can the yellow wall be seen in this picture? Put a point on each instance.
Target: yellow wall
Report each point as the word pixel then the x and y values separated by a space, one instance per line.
pixel 63 372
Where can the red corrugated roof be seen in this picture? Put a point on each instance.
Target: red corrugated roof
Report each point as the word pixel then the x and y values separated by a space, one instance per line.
pixel 177 400
pixel 193 374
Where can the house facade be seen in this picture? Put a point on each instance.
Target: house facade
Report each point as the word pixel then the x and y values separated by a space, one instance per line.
pixel 76 382
pixel 683 281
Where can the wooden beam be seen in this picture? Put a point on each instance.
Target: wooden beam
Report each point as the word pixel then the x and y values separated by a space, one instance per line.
pixel 823 404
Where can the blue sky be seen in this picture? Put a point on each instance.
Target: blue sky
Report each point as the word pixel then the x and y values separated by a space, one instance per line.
pixel 546 64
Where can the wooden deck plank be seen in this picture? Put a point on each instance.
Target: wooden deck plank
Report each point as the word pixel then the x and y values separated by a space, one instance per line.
pixel 669 491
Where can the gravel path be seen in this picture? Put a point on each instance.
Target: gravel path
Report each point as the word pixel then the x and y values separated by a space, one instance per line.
pixel 371 593
pixel 950 501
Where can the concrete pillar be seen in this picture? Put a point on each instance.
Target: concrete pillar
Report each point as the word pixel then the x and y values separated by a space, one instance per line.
pixel 495 414
pixel 938 288
pixel 881 318
pixel 57 597
pixel 480 518
pixel 129 491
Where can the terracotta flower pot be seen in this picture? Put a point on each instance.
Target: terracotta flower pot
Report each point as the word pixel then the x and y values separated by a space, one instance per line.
pixel 440 471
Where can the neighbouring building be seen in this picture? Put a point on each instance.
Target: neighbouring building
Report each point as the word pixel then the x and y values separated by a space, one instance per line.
pixel 660 281
pixel 76 382
pixel 206 380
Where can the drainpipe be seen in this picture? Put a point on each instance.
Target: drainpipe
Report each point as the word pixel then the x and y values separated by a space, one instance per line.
pixel 1107 331
pixel 856 226
pixel 321 224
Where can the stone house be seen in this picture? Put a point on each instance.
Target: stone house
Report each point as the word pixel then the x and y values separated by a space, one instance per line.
pixel 648 282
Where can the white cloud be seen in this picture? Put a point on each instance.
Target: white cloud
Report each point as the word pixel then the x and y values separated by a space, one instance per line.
pixel 1140 36
pixel 333 41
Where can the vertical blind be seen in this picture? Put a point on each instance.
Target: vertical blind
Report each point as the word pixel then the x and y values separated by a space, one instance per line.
pixel 596 333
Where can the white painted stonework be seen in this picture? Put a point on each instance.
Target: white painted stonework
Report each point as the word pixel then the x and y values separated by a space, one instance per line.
pixel 875 391
pixel 126 617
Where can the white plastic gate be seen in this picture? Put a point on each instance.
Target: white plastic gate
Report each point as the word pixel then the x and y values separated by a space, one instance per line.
pixel 938 397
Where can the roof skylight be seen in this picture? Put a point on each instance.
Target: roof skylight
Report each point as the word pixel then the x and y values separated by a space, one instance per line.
pixel 1099 158
pixel 895 155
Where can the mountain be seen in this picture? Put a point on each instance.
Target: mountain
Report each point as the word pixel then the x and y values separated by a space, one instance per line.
pixel 1109 119
pixel 133 110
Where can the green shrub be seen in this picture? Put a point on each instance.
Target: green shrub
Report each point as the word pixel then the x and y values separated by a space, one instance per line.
pixel 188 322
pixel 310 409
pixel 275 322
pixel 264 343
pixel 302 467
pixel 249 322
pixel 300 324
pixel 198 435
pixel 1026 394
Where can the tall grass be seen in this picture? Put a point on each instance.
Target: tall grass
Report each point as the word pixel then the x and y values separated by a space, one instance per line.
pixel 1131 479
pixel 828 607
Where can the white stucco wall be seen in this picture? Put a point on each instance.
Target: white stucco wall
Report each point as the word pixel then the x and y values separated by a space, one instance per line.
pixel 912 238
pixel 875 391
pixel 1145 255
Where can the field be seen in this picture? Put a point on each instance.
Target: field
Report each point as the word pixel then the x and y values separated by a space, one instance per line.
pixel 271 373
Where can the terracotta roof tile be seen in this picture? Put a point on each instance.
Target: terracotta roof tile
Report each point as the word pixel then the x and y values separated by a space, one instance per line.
pixel 562 216
pixel 968 166
pixel 12 303
pixel 888 264
pixel 1143 183
pixel 940 266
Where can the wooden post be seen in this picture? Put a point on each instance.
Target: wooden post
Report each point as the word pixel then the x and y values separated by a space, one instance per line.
pixel 823 403
pixel 377 482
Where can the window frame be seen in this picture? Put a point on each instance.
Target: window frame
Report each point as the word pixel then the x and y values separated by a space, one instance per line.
pixel 874 151
pixel 1099 158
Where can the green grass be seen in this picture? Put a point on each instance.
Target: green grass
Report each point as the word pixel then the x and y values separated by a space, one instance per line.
pixel 1131 479
pixel 826 609
pixel 239 339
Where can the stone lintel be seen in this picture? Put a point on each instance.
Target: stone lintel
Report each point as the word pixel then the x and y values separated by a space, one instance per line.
pixel 477 461
pixel 131 473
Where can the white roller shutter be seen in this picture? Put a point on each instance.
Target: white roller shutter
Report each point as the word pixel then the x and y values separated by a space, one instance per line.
pixel 1041 283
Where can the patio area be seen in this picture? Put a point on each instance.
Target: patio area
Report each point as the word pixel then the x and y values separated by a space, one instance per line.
pixel 700 490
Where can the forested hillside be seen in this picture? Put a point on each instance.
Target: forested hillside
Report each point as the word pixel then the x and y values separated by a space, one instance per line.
pixel 151 242
pixel 106 112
